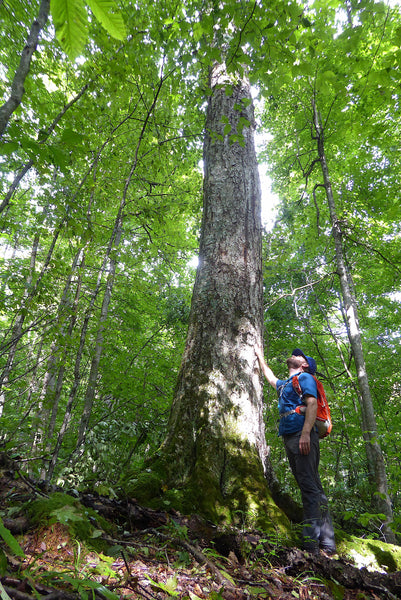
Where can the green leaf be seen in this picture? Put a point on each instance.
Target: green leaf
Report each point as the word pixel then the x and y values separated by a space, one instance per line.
pixel 106 592
pixel 3 563
pixel 10 540
pixel 237 138
pixel 197 31
pixel 112 21
pixel 71 137
pixel 242 123
pixel 58 156
pixel 169 587
pixel 8 148
pixel 3 593
pixel 66 514
pixel 257 591
pixel 71 23
pixel 300 70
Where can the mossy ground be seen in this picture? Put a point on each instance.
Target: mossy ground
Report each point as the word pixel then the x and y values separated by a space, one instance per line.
pixel 245 500
pixel 139 562
pixel 59 508
pixel 373 554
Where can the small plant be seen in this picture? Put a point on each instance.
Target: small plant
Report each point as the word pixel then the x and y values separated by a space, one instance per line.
pixel 66 510
pixel 180 531
pixel 10 540
pixel 170 587
pixel 79 576
pixel 87 586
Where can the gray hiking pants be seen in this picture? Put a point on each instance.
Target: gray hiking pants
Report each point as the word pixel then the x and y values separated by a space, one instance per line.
pixel 317 525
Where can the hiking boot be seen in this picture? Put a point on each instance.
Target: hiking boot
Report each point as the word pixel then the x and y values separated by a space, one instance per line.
pixel 328 551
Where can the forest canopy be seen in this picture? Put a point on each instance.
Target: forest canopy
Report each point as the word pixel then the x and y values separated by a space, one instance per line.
pixel 102 123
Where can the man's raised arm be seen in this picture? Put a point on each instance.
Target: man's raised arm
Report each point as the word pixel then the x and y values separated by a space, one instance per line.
pixel 266 370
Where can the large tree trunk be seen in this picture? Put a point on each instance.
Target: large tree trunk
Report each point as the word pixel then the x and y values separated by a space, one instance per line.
pixel 370 432
pixel 215 450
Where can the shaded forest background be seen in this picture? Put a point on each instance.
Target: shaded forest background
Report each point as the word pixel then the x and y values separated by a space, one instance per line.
pixel 101 181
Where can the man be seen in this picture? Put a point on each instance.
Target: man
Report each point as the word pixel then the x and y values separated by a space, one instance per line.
pixel 301 443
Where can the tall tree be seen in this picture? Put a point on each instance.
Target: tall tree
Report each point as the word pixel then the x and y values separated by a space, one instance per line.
pixel 67 153
pixel 215 449
pixel 345 93
pixel 370 431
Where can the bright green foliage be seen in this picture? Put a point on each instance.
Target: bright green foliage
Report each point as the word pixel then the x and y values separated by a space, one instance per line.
pixel 71 22
pixel 107 138
pixel 10 540
pixel 353 74
pixel 101 165
pixel 112 22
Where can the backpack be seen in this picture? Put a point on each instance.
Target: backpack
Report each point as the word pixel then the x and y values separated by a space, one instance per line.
pixel 323 419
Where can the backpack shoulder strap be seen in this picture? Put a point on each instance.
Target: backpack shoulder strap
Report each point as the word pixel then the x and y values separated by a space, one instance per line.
pixel 296 385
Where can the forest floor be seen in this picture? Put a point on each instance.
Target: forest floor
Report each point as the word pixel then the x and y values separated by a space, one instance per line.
pixel 94 547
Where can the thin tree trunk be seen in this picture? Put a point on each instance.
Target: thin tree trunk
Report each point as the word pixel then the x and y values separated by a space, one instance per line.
pixel 94 370
pixel 17 86
pixel 56 364
pixel 114 244
pixel 16 332
pixel 345 436
pixel 29 293
pixel 373 449
pixel 77 378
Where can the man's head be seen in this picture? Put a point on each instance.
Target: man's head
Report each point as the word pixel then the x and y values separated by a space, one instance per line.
pixel 308 363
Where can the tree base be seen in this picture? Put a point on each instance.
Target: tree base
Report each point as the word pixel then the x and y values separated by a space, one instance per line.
pixel 242 498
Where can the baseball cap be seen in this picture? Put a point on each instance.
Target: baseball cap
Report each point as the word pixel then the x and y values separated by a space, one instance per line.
pixel 311 361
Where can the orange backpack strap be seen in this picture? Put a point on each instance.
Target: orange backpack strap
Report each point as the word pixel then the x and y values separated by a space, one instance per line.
pixel 296 385
pixel 323 418
pixel 297 388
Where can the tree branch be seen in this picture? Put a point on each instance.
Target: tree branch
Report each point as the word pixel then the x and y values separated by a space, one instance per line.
pixel 17 86
pixel 23 171
pixel 240 35
pixel 295 290
pixel 372 249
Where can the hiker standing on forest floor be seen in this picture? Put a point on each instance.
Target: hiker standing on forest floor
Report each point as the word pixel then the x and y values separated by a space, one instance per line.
pixel 301 442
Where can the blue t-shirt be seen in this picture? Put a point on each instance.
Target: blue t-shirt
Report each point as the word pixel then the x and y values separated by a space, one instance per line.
pixel 288 400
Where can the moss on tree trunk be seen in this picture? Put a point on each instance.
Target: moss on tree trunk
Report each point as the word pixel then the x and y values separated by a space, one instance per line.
pixel 212 460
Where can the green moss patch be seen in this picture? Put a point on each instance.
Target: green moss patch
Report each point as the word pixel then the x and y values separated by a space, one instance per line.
pixel 375 555
pixel 82 522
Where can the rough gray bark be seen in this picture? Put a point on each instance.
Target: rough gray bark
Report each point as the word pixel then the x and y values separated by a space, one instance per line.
pixel 216 448
pixel 370 432
pixel 17 86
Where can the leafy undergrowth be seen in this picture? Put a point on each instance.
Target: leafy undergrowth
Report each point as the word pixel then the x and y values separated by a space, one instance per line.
pixel 56 546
